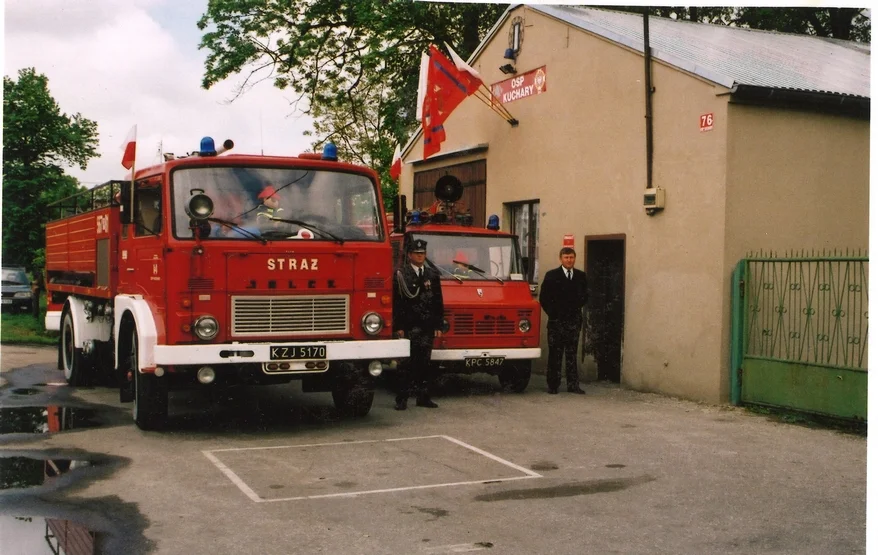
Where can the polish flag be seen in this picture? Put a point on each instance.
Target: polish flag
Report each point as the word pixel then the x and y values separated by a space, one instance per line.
pixel 130 148
pixel 463 66
pixel 396 165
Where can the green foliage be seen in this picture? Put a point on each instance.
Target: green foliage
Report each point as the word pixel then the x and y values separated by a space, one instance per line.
pixel 353 64
pixel 839 23
pixel 37 140
pixel 26 329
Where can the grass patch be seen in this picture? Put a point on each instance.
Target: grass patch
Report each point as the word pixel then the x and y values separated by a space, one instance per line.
pixel 17 329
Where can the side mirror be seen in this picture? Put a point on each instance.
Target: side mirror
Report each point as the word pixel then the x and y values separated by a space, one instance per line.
pixel 126 214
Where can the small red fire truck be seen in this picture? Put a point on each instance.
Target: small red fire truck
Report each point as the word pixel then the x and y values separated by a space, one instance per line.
pixel 232 269
pixel 491 322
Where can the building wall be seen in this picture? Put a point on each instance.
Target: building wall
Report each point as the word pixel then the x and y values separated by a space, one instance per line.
pixel 797 181
pixel 580 148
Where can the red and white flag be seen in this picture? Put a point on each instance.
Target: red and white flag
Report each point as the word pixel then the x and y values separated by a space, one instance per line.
pixel 396 165
pixel 463 66
pixel 446 87
pixel 130 148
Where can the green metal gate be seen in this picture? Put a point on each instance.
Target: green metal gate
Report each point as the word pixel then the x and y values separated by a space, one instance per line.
pixel 800 332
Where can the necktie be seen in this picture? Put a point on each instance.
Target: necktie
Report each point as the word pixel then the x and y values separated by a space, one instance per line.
pixel 569 274
pixel 420 273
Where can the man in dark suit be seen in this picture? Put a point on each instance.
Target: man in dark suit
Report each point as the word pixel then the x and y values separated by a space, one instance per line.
pixel 562 295
pixel 417 315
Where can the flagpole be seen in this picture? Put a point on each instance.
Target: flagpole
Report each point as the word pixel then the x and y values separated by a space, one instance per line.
pixel 497 108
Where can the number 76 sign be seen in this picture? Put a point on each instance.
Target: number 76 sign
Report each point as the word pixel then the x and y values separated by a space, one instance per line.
pixel 706 122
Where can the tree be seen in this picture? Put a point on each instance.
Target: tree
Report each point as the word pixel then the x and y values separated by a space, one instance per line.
pixel 353 64
pixel 839 23
pixel 37 140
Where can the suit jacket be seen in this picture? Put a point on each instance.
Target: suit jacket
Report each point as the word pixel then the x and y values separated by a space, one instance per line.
pixel 424 308
pixel 562 299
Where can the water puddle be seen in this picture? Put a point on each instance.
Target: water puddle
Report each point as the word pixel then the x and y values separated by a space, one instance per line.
pixel 43 420
pixel 26 472
pixel 25 391
pixel 41 535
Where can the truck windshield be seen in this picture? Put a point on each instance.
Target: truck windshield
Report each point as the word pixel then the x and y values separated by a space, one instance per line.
pixel 252 202
pixel 473 257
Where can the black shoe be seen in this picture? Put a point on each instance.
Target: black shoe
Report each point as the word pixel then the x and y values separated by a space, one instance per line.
pixel 426 402
pixel 576 389
pixel 553 391
pixel 401 404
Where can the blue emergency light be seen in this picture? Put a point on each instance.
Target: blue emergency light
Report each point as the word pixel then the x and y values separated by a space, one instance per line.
pixel 208 148
pixel 494 222
pixel 330 152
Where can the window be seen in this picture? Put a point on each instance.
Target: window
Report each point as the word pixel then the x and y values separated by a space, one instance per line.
pixel 280 203
pixel 147 211
pixel 525 218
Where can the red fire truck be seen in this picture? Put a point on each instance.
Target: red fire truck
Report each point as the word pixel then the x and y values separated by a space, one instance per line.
pixel 491 322
pixel 232 269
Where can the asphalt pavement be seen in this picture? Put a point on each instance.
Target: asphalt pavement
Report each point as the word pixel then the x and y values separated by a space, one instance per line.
pixel 275 470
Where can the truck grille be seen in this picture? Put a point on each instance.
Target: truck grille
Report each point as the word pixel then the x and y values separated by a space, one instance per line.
pixel 466 324
pixel 296 315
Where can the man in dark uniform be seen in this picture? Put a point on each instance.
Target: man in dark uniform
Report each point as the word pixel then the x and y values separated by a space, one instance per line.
pixel 562 295
pixel 417 315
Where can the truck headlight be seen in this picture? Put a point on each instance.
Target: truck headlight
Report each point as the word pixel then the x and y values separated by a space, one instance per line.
pixel 23 295
pixel 206 328
pixel 524 325
pixel 372 323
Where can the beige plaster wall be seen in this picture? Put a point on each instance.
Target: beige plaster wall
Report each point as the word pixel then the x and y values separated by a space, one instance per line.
pixel 797 181
pixel 580 149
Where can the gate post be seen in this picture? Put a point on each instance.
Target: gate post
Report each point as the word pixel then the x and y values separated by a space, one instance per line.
pixel 736 343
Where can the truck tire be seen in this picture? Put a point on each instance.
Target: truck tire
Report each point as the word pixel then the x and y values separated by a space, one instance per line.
pixel 515 377
pixel 150 409
pixel 76 365
pixel 353 394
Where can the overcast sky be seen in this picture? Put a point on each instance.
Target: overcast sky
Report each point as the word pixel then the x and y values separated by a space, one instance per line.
pixel 126 62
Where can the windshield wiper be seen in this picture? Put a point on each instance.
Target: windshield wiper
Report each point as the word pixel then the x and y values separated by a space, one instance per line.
pixel 477 269
pixel 441 269
pixel 310 226
pixel 239 229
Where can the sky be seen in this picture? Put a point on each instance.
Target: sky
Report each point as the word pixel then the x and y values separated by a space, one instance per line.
pixel 122 63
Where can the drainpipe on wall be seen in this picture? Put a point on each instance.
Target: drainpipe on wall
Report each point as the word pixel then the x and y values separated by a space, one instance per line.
pixel 647 62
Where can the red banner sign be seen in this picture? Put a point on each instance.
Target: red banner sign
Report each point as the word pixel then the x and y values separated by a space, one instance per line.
pixel 521 86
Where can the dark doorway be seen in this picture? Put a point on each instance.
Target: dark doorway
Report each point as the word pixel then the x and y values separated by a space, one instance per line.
pixel 605 266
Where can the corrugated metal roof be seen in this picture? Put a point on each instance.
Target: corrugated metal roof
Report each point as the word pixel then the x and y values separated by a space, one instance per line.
pixel 733 55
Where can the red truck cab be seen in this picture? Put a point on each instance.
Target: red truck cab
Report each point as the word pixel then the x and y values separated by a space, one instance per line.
pixel 491 320
pixel 235 269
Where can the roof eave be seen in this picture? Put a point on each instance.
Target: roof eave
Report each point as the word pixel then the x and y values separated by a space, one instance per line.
pixel 800 99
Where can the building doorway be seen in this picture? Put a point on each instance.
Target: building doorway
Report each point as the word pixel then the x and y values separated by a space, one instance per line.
pixel 605 311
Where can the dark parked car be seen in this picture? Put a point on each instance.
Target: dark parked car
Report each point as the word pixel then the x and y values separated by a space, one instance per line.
pixel 17 295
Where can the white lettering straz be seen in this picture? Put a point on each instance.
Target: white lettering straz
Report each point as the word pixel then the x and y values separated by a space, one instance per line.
pixel 282 264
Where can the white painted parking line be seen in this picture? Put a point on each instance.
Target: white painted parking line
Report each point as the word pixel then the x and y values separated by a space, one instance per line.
pixel 456 548
pixel 249 492
pixel 232 476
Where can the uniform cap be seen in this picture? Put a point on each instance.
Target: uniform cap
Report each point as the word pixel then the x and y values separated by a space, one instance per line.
pixel 268 191
pixel 460 256
pixel 418 245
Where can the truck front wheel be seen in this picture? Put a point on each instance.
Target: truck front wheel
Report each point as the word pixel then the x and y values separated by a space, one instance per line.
pixel 150 394
pixel 515 376
pixel 353 393
pixel 75 364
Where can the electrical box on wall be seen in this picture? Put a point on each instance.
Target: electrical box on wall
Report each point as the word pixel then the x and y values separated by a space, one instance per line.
pixel 653 200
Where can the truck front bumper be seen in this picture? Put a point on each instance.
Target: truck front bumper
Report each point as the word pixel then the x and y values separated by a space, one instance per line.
pixel 448 355
pixel 242 353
